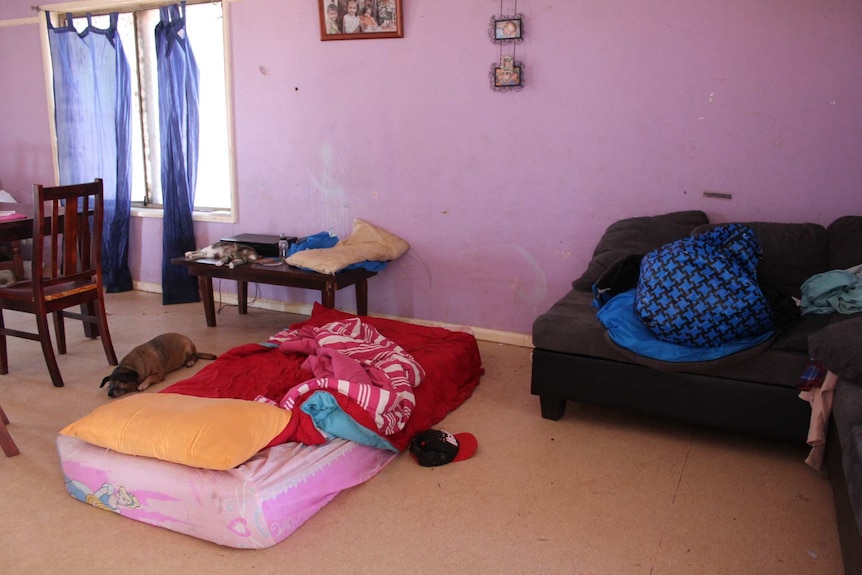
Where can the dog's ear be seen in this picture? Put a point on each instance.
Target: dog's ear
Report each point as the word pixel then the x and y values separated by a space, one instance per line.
pixel 104 381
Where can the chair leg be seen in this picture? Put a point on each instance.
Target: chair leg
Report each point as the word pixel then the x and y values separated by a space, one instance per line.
pixel 48 350
pixel 60 332
pixel 91 330
pixel 105 333
pixel 4 361
pixel 6 442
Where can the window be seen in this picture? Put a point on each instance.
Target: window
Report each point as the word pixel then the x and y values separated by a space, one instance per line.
pixel 214 197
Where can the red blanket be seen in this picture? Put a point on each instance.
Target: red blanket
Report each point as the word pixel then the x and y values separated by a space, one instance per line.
pixel 450 359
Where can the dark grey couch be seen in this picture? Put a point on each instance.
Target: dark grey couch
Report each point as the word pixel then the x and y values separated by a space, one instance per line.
pixel 839 348
pixel 753 392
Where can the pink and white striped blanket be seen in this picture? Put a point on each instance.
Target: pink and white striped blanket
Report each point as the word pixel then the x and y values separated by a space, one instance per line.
pixel 351 358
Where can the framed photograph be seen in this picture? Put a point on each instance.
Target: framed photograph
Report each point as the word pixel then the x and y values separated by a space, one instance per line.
pixel 507 29
pixel 507 77
pixel 360 19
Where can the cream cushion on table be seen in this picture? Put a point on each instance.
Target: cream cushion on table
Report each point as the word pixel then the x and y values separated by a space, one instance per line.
pixel 367 242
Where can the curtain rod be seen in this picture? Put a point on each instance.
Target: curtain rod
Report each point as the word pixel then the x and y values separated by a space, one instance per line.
pixel 105 6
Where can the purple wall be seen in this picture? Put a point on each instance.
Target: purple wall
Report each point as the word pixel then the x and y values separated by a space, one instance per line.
pixel 630 109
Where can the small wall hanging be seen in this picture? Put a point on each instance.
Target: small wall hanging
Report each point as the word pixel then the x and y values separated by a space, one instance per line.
pixel 360 19
pixel 507 31
pixel 507 75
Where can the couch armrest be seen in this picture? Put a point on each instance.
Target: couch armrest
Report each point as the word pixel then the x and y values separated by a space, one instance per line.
pixel 837 347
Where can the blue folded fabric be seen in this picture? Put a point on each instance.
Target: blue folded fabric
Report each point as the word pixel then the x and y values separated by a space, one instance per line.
pixel 628 331
pixel 313 242
pixel 332 421
pixel 368 265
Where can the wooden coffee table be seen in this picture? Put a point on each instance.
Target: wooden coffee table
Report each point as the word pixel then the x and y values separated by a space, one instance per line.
pixel 283 275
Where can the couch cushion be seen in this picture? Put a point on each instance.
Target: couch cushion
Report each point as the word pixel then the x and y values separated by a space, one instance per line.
pixel 793 336
pixel 845 242
pixel 792 253
pixel 837 347
pixel 571 326
pixel 639 235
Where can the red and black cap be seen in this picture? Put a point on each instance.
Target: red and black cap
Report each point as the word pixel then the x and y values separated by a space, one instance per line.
pixel 437 447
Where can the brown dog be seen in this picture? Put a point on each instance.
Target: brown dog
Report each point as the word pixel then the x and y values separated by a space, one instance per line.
pixel 149 362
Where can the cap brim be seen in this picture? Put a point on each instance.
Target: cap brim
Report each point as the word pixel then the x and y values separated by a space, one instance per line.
pixel 467 446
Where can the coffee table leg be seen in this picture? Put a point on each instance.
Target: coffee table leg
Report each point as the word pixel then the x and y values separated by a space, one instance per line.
pixel 362 297
pixel 206 286
pixel 328 294
pixel 242 296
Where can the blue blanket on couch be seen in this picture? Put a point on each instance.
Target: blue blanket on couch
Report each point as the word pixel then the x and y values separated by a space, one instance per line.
pixel 627 330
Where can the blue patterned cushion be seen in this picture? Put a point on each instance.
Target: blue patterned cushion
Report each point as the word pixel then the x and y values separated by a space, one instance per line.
pixel 702 290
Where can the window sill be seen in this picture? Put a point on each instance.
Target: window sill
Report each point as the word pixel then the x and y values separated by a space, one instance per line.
pixel 216 216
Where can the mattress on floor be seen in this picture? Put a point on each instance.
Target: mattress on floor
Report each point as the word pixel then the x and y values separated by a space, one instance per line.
pixel 254 505
pixel 262 501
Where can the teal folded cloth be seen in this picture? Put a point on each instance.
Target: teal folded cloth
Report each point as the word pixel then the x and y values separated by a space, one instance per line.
pixel 836 291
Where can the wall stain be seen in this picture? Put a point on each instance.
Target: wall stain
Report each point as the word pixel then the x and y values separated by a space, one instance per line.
pixel 530 286
pixel 333 205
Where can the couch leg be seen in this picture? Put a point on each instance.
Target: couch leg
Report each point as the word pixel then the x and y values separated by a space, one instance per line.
pixel 552 408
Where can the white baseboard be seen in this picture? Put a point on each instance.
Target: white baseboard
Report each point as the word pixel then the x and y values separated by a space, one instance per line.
pixel 481 333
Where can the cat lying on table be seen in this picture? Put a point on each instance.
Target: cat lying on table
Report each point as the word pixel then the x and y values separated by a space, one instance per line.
pixel 227 253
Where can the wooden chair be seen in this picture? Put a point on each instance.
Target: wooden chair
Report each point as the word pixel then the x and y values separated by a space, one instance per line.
pixel 6 442
pixel 66 272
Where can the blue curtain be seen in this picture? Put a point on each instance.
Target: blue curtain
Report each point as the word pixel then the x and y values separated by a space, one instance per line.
pixel 179 131
pixel 92 96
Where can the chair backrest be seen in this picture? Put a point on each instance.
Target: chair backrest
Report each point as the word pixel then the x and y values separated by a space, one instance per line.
pixel 67 233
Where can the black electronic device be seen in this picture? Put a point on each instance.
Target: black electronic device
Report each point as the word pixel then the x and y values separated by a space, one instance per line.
pixel 266 245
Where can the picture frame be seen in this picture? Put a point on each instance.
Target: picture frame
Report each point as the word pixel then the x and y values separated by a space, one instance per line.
pixel 366 19
pixel 508 29
pixel 505 77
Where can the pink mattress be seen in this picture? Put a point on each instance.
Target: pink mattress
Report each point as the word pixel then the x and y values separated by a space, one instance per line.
pixel 262 501
pixel 254 506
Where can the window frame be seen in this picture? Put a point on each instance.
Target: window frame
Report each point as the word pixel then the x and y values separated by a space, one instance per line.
pixel 102 7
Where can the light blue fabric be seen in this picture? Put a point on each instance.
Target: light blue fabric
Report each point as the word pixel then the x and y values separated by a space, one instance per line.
pixel 628 331
pixel 92 96
pixel 179 132
pixel 833 291
pixel 332 421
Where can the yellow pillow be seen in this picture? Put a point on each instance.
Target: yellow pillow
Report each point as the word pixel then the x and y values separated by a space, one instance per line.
pixel 195 431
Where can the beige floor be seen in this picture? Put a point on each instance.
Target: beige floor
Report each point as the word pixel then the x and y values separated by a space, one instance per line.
pixel 594 493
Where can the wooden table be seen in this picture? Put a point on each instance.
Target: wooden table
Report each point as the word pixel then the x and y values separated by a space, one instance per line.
pixel 283 275
pixel 12 232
